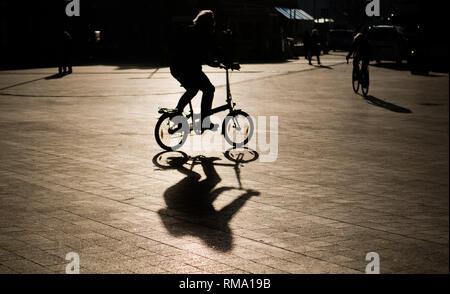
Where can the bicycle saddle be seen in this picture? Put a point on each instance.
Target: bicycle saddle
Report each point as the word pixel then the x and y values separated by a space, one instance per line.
pixel 167 110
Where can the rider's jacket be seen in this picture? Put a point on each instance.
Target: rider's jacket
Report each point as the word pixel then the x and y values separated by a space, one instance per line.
pixel 190 48
pixel 360 47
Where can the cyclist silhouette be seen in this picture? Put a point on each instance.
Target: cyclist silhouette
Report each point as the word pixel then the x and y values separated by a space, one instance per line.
pixel 360 49
pixel 193 198
pixel 190 48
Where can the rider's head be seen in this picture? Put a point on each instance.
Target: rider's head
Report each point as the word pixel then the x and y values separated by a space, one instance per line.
pixel 205 21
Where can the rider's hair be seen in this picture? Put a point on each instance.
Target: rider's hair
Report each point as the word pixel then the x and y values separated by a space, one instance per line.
pixel 204 18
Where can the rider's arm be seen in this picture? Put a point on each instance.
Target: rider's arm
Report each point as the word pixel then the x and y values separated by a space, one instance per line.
pixel 220 50
pixel 352 48
pixel 211 57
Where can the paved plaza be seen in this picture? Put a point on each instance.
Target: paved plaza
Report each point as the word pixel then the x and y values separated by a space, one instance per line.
pixel 79 173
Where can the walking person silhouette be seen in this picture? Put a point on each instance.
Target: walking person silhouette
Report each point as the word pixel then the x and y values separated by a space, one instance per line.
pixel 314 46
pixel 65 53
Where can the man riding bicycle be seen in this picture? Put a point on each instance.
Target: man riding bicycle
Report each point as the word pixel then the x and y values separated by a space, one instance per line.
pixel 360 50
pixel 189 50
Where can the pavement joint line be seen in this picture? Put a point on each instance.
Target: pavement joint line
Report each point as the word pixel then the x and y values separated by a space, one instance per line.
pixel 202 225
pixel 121 73
pixel 24 258
pixel 284 74
pixel 128 172
pixel 260 242
pixel 153 73
pixel 266 204
pixel 22 83
pixel 367 193
pixel 136 234
pixel 358 225
pixel 213 228
pixel 193 223
pixel 88 96
pixel 85 160
pixel 114 168
pixel 161 93
pixel 394 193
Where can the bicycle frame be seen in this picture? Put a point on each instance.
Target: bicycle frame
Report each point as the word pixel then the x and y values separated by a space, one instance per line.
pixel 229 101
pixel 231 124
pixel 359 66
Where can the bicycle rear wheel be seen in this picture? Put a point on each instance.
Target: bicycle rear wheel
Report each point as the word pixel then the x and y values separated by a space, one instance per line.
pixel 238 128
pixel 355 80
pixel 168 140
pixel 365 83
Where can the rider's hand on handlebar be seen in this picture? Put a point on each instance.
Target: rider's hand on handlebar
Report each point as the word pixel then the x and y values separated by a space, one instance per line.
pixel 232 66
pixel 215 63
pixel 235 66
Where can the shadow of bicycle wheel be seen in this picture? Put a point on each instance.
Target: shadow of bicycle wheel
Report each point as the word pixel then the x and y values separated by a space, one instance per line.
pixel 241 155
pixel 170 159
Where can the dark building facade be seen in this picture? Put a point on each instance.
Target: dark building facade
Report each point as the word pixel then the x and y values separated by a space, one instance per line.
pixel 423 21
pixel 106 29
pixel 129 30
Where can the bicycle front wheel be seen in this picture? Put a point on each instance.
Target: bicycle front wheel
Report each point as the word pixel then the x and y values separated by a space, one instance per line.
pixel 238 128
pixel 166 137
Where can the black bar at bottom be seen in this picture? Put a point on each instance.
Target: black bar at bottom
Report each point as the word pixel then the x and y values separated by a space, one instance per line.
pixel 231 283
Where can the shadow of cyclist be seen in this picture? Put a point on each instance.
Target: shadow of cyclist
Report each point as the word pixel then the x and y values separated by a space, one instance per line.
pixel 386 105
pixel 191 200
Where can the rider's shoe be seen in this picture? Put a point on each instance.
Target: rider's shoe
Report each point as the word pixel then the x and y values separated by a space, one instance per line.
pixel 211 127
pixel 173 112
pixel 174 129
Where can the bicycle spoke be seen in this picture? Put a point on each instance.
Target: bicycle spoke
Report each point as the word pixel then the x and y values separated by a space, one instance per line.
pixel 236 125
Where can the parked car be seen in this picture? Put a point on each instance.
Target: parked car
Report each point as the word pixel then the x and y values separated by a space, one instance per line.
pixel 387 43
pixel 418 51
pixel 340 39
pixel 427 50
